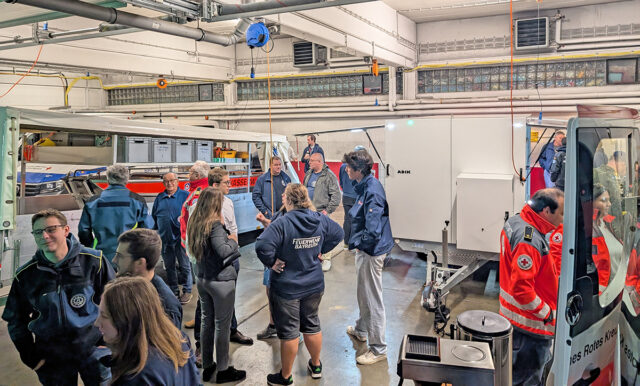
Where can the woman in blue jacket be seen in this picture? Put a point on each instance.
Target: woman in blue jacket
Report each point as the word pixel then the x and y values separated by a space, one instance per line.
pixel 215 253
pixel 371 237
pixel 147 348
pixel 291 246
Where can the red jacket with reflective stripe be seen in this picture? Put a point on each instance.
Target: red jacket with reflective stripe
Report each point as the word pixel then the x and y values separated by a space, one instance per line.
pixel 194 192
pixel 528 276
pixel 555 247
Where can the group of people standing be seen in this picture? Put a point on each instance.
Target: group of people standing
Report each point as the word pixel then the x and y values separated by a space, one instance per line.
pixel 69 314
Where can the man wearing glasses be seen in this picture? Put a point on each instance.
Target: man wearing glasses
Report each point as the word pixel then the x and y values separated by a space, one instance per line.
pixel 166 214
pixel 52 305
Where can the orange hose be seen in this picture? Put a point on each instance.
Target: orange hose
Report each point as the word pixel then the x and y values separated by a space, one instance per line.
pixel 24 75
pixel 513 162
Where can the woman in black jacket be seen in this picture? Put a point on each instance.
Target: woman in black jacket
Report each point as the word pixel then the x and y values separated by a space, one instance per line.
pixel 209 242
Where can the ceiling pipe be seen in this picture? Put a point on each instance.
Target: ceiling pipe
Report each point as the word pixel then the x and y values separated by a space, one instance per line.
pixel 232 9
pixel 230 13
pixel 101 34
pixel 113 16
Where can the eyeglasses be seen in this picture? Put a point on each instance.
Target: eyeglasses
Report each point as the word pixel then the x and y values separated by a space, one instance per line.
pixel 50 230
pixel 228 182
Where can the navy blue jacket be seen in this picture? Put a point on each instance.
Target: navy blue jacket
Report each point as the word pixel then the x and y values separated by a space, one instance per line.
pixel 170 302
pixel 110 213
pixel 261 195
pixel 346 184
pixel 546 158
pixel 297 238
pixel 159 370
pixel 370 228
pixel 166 213
pixel 57 303
pixel 309 150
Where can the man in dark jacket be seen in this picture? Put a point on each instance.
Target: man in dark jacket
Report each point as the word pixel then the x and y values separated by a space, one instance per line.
pixel 109 213
pixel 558 165
pixel 261 195
pixel 348 198
pixel 312 148
pixel 546 157
pixel 166 213
pixel 371 237
pixel 52 305
pixel 138 254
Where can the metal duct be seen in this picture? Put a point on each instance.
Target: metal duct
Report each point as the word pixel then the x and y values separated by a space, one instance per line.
pixel 230 9
pixel 112 16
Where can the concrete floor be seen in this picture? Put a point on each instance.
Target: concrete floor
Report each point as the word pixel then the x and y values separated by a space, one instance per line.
pixel 403 278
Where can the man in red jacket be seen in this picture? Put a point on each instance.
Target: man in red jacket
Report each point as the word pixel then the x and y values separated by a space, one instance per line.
pixel 529 283
pixel 198 181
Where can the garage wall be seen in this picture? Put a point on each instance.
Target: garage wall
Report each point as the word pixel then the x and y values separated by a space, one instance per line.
pixel 610 14
pixel 46 92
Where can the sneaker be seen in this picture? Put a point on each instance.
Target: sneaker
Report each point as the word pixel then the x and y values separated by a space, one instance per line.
pixel 300 339
pixel 352 331
pixel 277 379
pixel 268 333
pixel 315 371
pixel 345 246
pixel 207 373
pixel 230 375
pixel 370 358
pixel 240 338
pixel 326 265
pixel 185 298
pixel 190 324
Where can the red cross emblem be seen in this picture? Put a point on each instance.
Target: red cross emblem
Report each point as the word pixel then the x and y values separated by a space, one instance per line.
pixel 524 262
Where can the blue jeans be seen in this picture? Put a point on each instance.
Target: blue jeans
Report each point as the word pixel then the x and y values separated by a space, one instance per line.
pixel 64 371
pixel 530 355
pixel 172 253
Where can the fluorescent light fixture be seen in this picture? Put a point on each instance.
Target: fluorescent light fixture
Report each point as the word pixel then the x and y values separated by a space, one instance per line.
pixel 410 122
pixel 356 130
pixel 517 125
pixel 391 126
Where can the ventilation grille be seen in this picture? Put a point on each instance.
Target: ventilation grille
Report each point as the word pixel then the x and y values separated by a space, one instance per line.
pixel 532 33
pixel 303 54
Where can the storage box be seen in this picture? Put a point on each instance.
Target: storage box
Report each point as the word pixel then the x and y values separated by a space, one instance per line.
pixel 204 150
pixel 134 149
pixel 183 150
pixel 242 154
pixel 162 150
pixel 228 154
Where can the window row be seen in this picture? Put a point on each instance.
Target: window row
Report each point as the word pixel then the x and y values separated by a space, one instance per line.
pixel 317 87
pixel 170 94
pixel 529 76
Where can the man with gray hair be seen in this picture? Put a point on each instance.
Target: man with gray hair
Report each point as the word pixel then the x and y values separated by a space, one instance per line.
pixel 111 212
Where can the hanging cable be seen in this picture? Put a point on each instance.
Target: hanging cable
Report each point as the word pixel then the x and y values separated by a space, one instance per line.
pixel 513 162
pixel 273 210
pixel 25 75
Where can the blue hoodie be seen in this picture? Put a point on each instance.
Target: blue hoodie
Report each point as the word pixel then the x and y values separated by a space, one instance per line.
pixel 370 228
pixel 297 238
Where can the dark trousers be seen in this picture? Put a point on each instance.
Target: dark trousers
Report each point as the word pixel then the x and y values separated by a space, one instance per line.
pixel 62 372
pixel 347 204
pixel 173 253
pixel 530 356
pixel 196 329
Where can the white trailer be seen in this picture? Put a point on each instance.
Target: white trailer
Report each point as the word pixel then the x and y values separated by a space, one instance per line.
pixel 454 180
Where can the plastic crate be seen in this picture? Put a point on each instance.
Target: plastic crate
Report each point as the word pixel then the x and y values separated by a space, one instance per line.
pixel 204 150
pixel 162 150
pixel 134 149
pixel 184 150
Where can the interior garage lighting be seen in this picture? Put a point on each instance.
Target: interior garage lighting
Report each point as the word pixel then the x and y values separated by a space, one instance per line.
pixel 410 122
